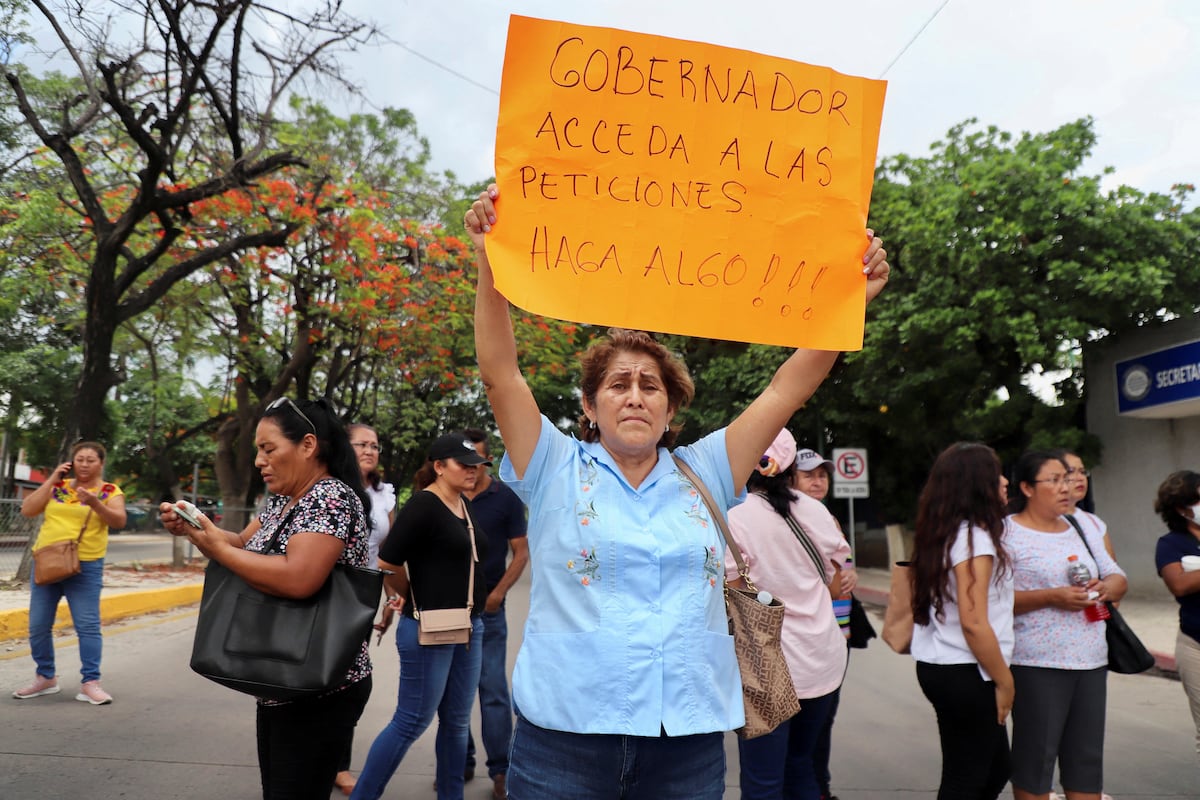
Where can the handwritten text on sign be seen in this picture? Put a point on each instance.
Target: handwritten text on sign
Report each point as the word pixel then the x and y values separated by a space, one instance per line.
pixel 681 187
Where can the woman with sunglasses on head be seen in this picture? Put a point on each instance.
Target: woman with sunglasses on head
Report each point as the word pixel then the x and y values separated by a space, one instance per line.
pixel 315 513
pixel 1060 656
pixel 435 554
pixel 1078 484
pixel 963 618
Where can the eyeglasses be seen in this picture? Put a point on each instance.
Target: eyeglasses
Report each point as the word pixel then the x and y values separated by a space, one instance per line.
pixel 373 446
pixel 1057 480
pixel 287 401
pixel 1081 472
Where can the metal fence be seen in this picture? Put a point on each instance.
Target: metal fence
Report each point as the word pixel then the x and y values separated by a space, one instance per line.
pixel 17 531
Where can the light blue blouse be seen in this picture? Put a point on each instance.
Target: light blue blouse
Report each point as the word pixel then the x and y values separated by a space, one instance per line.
pixel 627 631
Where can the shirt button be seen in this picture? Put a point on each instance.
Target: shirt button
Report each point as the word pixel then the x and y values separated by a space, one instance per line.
pixel 654 607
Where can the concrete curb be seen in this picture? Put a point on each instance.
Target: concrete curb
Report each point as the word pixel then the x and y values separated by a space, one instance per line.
pixel 14 624
pixel 878 597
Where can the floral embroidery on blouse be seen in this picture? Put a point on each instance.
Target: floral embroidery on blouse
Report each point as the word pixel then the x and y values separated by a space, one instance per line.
pixel 588 475
pixel 697 511
pixel 63 493
pixel 713 567
pixel 588 570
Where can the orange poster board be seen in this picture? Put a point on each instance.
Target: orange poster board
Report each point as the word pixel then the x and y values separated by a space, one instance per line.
pixel 681 187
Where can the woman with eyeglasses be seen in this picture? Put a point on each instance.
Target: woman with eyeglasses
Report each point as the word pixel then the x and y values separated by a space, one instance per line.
pixel 365 442
pixel 317 510
pixel 1077 480
pixel 1060 658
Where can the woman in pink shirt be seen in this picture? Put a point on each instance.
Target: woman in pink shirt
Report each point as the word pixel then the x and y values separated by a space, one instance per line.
pixel 792 547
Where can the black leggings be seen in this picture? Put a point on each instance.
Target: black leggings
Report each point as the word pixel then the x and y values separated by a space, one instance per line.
pixel 301 744
pixel 975 754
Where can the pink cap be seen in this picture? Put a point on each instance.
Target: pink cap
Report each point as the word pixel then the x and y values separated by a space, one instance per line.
pixel 779 455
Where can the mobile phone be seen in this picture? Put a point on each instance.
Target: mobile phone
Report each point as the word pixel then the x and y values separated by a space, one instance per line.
pixel 188 513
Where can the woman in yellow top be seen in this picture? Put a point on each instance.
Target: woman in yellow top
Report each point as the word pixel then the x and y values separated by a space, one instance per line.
pixel 68 505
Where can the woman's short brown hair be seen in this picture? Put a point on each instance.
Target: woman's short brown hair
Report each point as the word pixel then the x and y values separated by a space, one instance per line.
pixel 596 360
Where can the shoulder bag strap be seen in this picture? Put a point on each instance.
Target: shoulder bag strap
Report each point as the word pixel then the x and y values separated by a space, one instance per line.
pixel 1075 524
pixel 83 527
pixel 718 518
pixel 470 567
pixel 809 547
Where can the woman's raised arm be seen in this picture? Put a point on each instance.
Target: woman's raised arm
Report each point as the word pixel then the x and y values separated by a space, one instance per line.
pixel 516 411
pixel 793 384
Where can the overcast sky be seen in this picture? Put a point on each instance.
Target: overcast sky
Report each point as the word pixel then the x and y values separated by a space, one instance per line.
pixel 1018 64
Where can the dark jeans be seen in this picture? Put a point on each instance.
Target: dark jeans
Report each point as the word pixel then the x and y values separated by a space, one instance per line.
pixel 556 765
pixel 975 755
pixel 300 743
pixel 495 702
pixel 782 765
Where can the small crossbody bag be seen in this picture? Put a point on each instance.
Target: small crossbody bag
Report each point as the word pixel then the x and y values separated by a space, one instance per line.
pixel 448 625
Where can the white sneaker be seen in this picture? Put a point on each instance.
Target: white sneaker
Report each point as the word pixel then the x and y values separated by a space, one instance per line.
pixel 91 692
pixel 39 687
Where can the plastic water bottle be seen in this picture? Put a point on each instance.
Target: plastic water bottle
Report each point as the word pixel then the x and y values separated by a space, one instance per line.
pixel 764 597
pixel 841 606
pixel 1079 575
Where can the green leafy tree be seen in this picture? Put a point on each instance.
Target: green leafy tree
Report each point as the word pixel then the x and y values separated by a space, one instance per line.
pixel 1006 261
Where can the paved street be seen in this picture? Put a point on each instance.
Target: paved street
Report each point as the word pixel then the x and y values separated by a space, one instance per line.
pixel 171 734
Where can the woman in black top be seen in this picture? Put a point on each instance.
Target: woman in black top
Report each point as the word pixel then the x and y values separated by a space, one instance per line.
pixel 432 551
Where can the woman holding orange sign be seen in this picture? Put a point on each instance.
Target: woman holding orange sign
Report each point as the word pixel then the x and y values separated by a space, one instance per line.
pixel 626 563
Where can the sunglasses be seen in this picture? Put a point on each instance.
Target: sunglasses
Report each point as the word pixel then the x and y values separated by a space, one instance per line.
pixel 286 401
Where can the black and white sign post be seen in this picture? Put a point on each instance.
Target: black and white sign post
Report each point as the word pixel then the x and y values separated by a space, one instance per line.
pixel 850 481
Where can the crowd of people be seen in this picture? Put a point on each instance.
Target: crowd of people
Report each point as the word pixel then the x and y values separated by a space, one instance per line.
pixel 628 570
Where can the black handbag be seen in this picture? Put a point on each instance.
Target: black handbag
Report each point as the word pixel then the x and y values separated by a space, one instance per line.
pixel 281 648
pixel 1126 653
pixel 861 629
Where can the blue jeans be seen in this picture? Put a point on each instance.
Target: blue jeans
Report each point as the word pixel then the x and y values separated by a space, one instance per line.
pixel 83 598
pixel 437 679
pixel 495 703
pixel 782 764
pixel 556 765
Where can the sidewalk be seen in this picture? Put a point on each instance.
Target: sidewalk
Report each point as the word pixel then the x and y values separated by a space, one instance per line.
pixel 1155 619
pixel 127 592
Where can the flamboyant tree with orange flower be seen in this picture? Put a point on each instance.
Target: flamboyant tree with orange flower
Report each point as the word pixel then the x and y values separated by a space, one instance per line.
pixel 172 106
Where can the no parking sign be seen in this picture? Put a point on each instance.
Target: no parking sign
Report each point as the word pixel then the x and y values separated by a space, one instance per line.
pixel 850 473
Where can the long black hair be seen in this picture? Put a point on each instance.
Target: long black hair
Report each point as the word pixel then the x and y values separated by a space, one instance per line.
pixel 333 443
pixel 776 490
pixel 963 486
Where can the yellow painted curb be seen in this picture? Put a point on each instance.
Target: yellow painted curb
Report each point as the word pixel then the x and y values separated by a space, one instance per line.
pixel 14 624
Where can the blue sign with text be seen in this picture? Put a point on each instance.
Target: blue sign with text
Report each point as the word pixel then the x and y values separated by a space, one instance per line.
pixel 1155 381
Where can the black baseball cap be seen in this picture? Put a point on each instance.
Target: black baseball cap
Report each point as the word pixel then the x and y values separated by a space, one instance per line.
pixel 458 447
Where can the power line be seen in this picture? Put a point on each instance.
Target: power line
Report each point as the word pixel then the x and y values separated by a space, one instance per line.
pixel 916 36
pixel 441 66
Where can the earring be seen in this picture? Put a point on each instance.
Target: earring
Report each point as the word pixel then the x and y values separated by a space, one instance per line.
pixel 592 424
pixel 667 428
